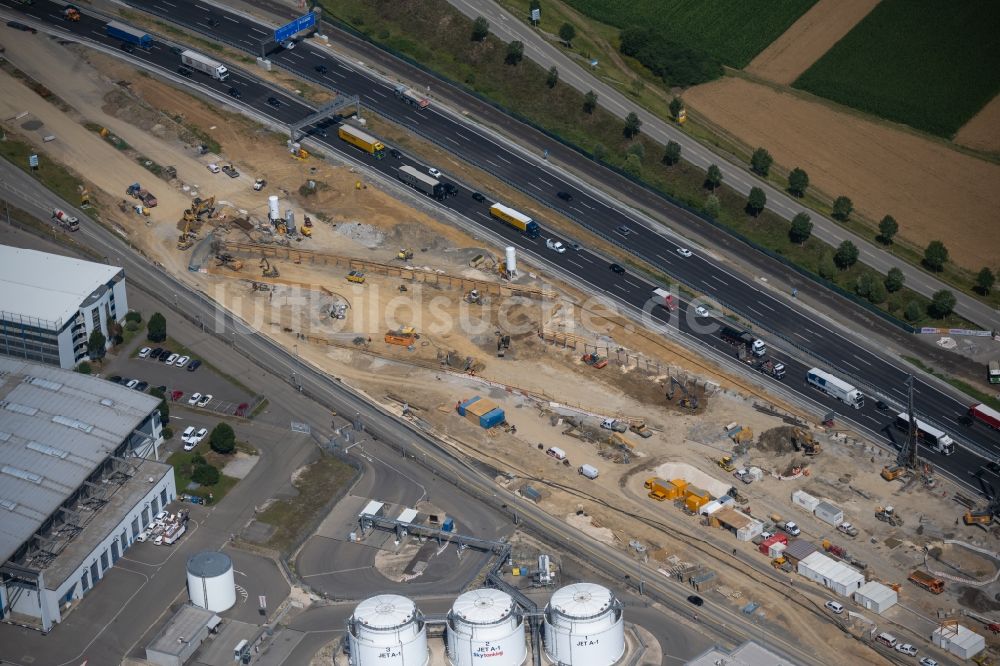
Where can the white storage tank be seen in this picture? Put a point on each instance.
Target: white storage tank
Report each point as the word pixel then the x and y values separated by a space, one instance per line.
pixel 484 627
pixel 387 630
pixel 210 581
pixel 273 212
pixel 510 261
pixel 584 626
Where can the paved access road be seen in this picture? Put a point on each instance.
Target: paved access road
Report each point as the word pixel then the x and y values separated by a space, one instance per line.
pixel 796 329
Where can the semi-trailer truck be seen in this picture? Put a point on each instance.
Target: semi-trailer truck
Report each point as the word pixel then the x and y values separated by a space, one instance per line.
pixel 744 339
pixel 421 181
pixel 412 98
pixel 835 388
pixel 665 299
pixel 359 139
pixel 987 415
pixel 128 34
pixel 205 65
pixel 771 368
pixel 519 221
pixel 934 439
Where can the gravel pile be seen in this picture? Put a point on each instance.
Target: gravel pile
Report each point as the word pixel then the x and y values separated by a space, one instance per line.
pixel 365 234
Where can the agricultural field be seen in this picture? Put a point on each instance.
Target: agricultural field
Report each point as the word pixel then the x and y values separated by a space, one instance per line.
pixel 928 64
pixel 733 31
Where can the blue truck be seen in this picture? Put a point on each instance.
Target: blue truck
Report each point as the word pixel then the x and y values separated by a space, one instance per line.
pixel 128 34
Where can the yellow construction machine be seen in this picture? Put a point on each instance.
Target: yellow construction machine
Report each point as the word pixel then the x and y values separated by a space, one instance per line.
pixel 404 254
pixel 184 241
pixel 804 442
pixel 726 463
pixel 893 472
pixel 199 209
pixel 404 336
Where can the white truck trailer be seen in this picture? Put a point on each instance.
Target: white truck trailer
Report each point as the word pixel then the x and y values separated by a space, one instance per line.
pixel 835 388
pixel 204 64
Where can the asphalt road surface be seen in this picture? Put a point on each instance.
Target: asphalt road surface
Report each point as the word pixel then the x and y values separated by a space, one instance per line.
pixel 796 328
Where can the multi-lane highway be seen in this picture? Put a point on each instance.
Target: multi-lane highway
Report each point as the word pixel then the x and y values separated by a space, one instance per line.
pixel 798 330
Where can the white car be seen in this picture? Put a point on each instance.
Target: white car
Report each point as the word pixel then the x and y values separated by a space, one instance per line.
pixel 182 361
pixel 144 352
pixel 186 435
pixel 834 607
pixel 684 252
pixel 907 649
pixel 142 536
pixel 193 400
pixel 792 529
pixel 555 245
pixel 288 45
pixel 927 661
pixel 198 436
pixel 434 172
pixel 172 359
pixel 214 168
pixel 701 311
pixel 132 383
pixel 160 517
pixel 205 399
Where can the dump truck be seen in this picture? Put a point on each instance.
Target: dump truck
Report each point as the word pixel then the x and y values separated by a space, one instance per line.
pixel 359 139
pixel 519 221
pixel 71 13
pixel 926 581
pixel 145 196
pixel 128 34
pixel 65 220
pixel 430 186
pixel 665 299
pixel 205 65
pixel 410 97
pixel 835 388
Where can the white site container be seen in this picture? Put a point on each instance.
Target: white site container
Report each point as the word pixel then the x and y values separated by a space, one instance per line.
pixel 803 499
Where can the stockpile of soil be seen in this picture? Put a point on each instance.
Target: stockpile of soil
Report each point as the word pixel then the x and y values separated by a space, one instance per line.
pixel 977 600
pixel 777 440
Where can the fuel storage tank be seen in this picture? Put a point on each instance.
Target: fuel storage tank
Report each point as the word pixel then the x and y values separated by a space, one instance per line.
pixel 584 626
pixel 387 630
pixel 210 581
pixel 485 628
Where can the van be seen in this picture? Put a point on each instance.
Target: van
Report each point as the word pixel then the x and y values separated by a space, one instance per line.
pixel 886 639
pixel 834 607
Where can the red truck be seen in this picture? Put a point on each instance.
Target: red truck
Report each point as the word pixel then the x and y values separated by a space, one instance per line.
pixel 987 415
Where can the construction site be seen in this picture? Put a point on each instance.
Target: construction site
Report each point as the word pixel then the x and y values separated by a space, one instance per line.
pixel 632 437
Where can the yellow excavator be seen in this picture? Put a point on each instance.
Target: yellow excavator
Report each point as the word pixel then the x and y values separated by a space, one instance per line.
pixel 184 241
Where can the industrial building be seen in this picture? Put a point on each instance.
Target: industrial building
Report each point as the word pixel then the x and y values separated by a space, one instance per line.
pixel 50 304
pixel 182 636
pixel 826 571
pixel 584 625
pixel 875 596
pixel 79 482
pixel 750 653
pixel 960 641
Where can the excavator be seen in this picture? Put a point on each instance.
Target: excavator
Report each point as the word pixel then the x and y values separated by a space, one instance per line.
pixel 689 400
pixel 199 209
pixel 184 241
pixel 229 261
pixel 267 270
pixel 984 515
pixel 804 442
pixel 404 254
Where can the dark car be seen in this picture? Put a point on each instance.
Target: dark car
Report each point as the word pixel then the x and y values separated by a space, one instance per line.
pixel 318 131
pixel 185 71
pixel 273 101
pixel 160 389
pixel 565 196
pixel 966 420
pixel 617 268
pixel 881 406
pixel 235 93
pixel 117 379
pixel 395 153
pixel 156 352
pixel 165 355
pixel 478 197
pixel 449 189
pixel 141 386
pixel 576 246
pixel 194 365
pixel 212 21
pixel 321 69
pixel 696 600
pixel 126 47
pixel 624 230
pixel 993 466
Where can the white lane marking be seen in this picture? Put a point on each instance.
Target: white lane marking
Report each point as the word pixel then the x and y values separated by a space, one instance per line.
pixel 846 362
pixel 765 305
pixel 463 136
pixel 637 286
pixel 546 182
pixel 586 258
pixel 229 18
pixel 263 32
pixel 336 73
pixel 872 419
pixel 380 94
pixel 756 312
pixel 800 335
pixel 448 138
pixel 618 286
pixel 370 97
pixel 585 204
pixel 662 258
pixel 493 163
pixel 246 41
pixel 864 361
pixel 535 186
pixel 501 157
pixel 718 279
pixel 169 4
pixel 204 9
pixel 574 263
pixel 296 55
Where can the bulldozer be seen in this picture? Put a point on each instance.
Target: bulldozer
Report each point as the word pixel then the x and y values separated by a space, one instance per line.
pixel 267 270
pixel 726 463
pixel 404 336
pixel 805 443
pixel 229 261
pixel 640 428
pixel 888 515
pixel 404 254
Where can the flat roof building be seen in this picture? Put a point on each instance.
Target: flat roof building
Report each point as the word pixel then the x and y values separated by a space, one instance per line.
pixel 50 304
pixel 78 483
pixel 750 653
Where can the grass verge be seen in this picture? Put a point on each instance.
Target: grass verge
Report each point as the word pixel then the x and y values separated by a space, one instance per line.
pixel 961 385
pixel 316 486
pixel 183 468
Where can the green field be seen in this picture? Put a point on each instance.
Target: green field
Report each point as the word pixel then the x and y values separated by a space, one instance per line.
pixel 925 63
pixel 734 31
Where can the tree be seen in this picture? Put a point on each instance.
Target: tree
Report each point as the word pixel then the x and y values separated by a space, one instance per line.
pixel 222 439
pixel 985 280
pixel 599 151
pixel 566 33
pixel 156 328
pixel 205 475
pixel 761 161
pixel 842 207
pixel 827 268
pixel 672 153
pixel 878 293
pixel 633 166
pixel 632 125
pixel 756 201
pixel 894 280
pixel 713 206
pixel 676 106
pixel 935 256
pixel 942 303
pixel 515 52
pixel 84 368
pixel 115 332
pixel 636 149
pixel 132 315
pixel 887 228
pixel 480 29
pixel 553 77
pixel 798 181
pixel 589 102
pixel 97 345
pixel 913 311
pixel 801 229
pixel 713 178
pixel 846 255
pixel 863 287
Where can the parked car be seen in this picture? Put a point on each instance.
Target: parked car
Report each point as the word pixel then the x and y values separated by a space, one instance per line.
pixel 176 395
pixel 200 435
pixel 142 386
pixel 132 383
pixel 834 607
pixel 165 356
pixel 142 536
pixel 145 352
pixel 194 365
pixel 193 400
pixel 160 517
pixel 214 168
pixel 116 379
pixel 156 352
pixel 182 361
pixel 186 435
pixel 555 246
pixel 172 359
pixel 684 252
pixel 907 649
pixel 792 529
pixel 927 661
pixel 205 399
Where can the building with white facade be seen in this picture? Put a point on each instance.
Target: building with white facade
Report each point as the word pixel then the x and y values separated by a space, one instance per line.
pixel 50 304
pixel 79 481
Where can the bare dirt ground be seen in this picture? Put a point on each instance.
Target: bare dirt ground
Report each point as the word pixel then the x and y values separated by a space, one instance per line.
pixel 808 39
pixel 934 192
pixel 983 131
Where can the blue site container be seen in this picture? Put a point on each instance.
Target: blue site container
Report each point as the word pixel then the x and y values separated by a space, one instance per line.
pixel 465 403
pixel 492 418
pixel 448 525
